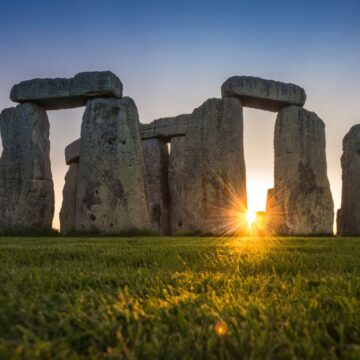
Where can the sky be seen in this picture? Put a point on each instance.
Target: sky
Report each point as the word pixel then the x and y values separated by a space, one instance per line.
pixel 173 55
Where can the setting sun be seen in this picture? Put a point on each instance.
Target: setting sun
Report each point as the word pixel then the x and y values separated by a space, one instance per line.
pixel 250 218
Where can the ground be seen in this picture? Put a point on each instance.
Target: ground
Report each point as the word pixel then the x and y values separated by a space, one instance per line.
pixel 179 298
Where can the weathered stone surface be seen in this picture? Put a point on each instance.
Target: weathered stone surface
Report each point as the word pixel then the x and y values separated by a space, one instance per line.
pixel 68 208
pixel 177 177
pixel 165 128
pixel 349 217
pixel 263 94
pixel 156 157
pixel 72 152
pixel 207 171
pixel 64 93
pixel 301 201
pixel 111 195
pixel 26 186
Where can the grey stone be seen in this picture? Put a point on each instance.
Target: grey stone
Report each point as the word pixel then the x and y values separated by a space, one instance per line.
pixel 68 208
pixel 72 152
pixel 207 171
pixel 263 94
pixel 61 93
pixel 301 201
pixel 156 157
pixel 26 186
pixel 339 226
pixel 349 220
pixel 165 128
pixel 111 194
pixel 177 176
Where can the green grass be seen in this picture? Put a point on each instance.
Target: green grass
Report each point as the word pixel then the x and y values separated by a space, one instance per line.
pixel 148 298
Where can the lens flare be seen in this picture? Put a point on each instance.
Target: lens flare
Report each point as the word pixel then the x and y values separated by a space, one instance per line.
pixel 221 328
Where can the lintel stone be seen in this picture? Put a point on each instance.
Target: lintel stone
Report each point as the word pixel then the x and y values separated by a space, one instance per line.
pixel 165 128
pixel 263 94
pixel 63 93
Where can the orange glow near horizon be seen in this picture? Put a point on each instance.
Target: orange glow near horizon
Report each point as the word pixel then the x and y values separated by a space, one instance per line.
pixel 250 218
pixel 257 194
pixel 257 187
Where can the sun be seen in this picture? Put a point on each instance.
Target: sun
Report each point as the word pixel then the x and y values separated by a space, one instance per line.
pixel 250 218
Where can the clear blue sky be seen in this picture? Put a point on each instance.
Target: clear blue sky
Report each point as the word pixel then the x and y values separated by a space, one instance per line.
pixel 172 55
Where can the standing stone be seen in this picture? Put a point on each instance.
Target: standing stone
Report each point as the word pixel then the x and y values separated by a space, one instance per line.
pixel 349 215
pixel 177 176
pixel 273 214
pixel 339 226
pixel 156 157
pixel 26 186
pixel 72 152
pixel 301 201
pixel 68 208
pixel 207 171
pixel 111 194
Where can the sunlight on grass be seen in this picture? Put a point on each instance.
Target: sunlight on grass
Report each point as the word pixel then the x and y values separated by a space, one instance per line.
pixel 159 297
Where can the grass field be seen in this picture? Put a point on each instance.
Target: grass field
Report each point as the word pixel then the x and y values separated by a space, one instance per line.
pixel 179 298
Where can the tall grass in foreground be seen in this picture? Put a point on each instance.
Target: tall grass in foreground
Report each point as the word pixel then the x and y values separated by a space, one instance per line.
pixel 176 298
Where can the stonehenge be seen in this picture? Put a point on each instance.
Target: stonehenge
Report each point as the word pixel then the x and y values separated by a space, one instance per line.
pixel 348 217
pixel 174 175
pixel 105 192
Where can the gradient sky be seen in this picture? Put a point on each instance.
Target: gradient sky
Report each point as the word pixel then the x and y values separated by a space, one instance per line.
pixel 173 55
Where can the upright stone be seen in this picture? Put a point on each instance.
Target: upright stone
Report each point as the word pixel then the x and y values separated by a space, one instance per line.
pixel 111 194
pixel 339 226
pixel 263 94
pixel 349 215
pixel 177 176
pixel 26 186
pixel 68 208
pixel 61 93
pixel 156 157
pixel 301 201
pixel 72 152
pixel 207 171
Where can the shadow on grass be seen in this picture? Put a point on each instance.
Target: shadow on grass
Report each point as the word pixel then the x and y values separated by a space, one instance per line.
pixel 30 233
pixel 126 233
